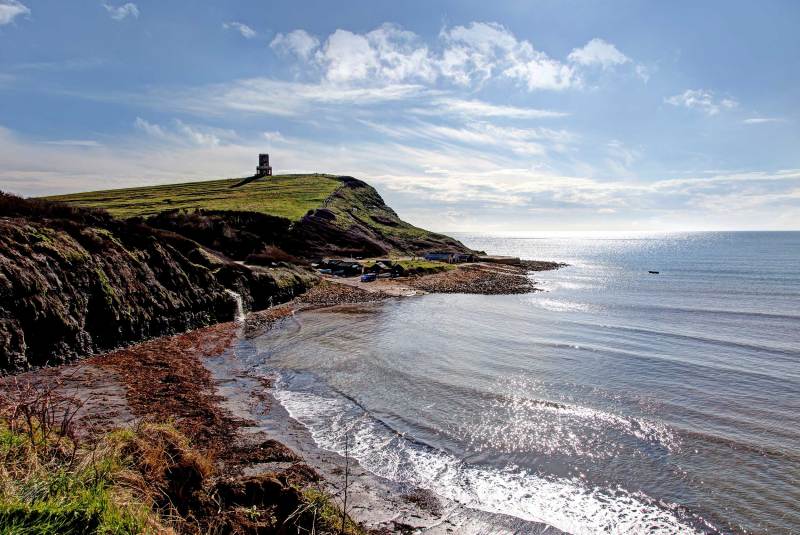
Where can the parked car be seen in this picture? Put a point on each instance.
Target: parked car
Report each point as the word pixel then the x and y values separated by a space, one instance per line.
pixel 369 277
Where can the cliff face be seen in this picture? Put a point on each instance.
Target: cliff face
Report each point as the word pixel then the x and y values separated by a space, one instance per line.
pixel 74 282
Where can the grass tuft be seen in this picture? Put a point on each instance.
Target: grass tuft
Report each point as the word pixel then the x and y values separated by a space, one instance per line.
pixel 51 483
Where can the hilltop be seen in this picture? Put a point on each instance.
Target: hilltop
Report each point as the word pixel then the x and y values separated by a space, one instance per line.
pixel 288 196
pixel 304 215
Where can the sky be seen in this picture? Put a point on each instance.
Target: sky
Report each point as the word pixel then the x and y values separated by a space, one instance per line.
pixel 465 115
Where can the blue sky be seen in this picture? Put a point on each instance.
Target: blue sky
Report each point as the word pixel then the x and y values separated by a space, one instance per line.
pixel 487 116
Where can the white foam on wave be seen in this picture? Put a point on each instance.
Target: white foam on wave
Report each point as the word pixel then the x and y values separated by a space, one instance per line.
pixel 567 504
pixel 567 285
pixel 559 305
pixel 518 423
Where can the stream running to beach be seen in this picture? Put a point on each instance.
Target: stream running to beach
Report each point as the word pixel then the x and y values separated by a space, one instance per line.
pixel 614 401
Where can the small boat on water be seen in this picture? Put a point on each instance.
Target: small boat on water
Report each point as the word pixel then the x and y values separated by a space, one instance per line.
pixel 653 272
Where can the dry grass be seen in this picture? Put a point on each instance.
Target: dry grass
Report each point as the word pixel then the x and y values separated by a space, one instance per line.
pixel 147 479
pixel 50 482
pixel 165 380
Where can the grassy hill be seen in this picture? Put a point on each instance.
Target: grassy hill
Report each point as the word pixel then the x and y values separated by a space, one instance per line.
pixel 306 215
pixel 289 196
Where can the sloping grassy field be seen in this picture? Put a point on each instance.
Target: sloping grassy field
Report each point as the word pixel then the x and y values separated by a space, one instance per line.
pixel 289 196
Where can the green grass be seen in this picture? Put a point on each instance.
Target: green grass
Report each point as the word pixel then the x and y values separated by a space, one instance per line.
pixel 289 196
pixel 329 515
pixel 42 493
pixel 428 266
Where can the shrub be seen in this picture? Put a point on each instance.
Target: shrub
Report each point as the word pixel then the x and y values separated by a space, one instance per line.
pixel 270 254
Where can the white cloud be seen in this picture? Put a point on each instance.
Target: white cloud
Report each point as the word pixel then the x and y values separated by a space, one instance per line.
pixel 195 135
pixel 541 72
pixel 620 158
pixel 11 9
pixel 473 53
pixel 150 129
pixel 598 52
pixel 763 120
pixel 265 96
pixel 479 51
pixel 387 54
pixel 74 143
pixel 298 42
pixel 643 72
pixel 273 137
pixel 400 54
pixel 348 56
pixel 478 108
pixel 703 100
pixel 481 136
pixel 467 56
pixel 183 133
pixel 246 31
pixel 122 12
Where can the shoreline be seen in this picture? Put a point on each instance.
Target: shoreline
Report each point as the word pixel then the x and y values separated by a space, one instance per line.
pixel 188 379
pixel 378 504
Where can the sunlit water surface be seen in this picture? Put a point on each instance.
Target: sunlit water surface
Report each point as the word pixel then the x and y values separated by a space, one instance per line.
pixel 615 401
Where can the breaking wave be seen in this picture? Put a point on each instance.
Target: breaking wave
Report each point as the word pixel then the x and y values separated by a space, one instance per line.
pixel 568 504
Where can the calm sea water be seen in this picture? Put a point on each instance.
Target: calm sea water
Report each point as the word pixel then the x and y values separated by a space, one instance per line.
pixel 615 401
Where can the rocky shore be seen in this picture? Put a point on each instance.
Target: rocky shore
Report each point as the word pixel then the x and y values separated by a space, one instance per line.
pixel 263 468
pixel 485 279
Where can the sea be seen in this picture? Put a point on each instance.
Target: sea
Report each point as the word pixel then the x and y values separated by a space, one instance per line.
pixel 614 400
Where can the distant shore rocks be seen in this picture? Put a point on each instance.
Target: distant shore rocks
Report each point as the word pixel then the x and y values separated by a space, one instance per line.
pixel 484 279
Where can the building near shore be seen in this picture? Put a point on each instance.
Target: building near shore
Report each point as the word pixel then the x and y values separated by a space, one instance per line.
pixel 450 258
pixel 440 257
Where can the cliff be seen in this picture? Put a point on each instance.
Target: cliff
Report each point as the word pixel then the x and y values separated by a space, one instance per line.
pixel 75 281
